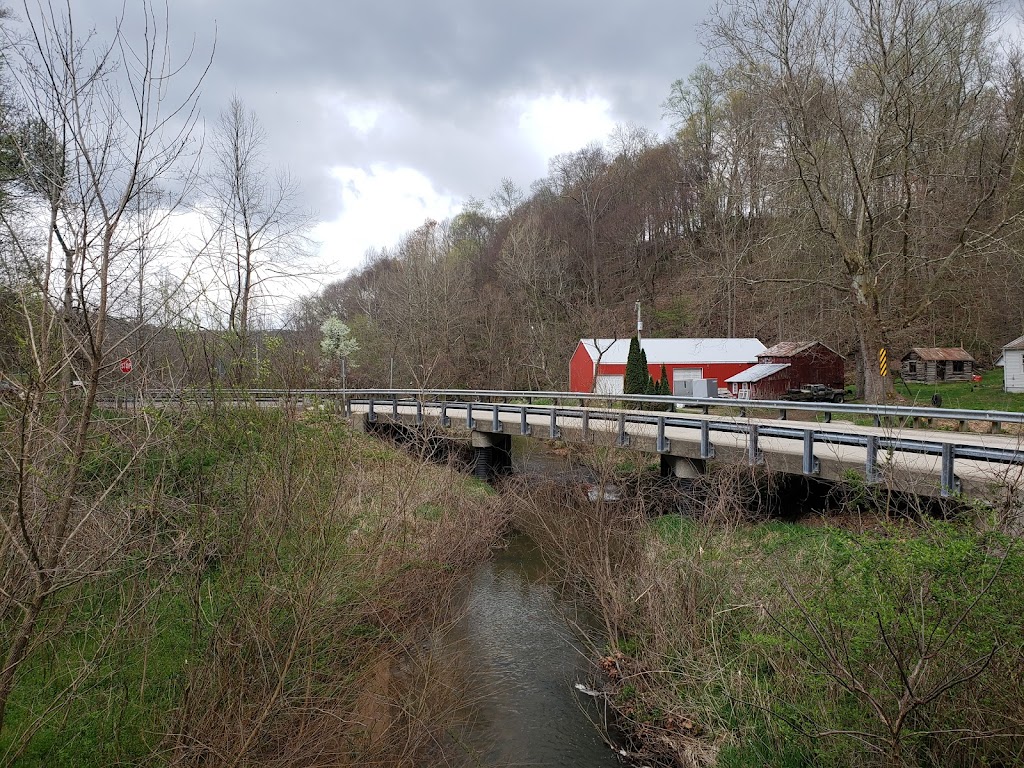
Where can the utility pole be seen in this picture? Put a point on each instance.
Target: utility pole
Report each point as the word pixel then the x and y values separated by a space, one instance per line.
pixel 639 323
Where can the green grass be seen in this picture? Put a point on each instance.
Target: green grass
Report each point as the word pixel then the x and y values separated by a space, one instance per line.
pixel 114 715
pixel 987 395
pixel 765 647
pixel 132 637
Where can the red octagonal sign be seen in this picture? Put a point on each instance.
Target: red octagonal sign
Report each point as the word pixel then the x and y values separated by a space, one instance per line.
pixel 126 365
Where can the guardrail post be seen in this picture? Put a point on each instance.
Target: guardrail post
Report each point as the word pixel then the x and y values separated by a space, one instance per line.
pixel 782 414
pixel 346 407
pixel 871 462
pixel 446 420
pixel 707 450
pixel 586 424
pixel 995 428
pixel 664 444
pixel 962 425
pixel 950 483
pixel 754 455
pixel 555 432
pixel 524 428
pixel 394 407
pixel 878 420
pixel 812 466
pixel 495 421
pixel 828 417
pixel 419 413
pixel 470 423
pixel 623 439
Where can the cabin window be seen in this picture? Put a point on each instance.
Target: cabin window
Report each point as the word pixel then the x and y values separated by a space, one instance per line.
pixel 912 366
pixel 958 366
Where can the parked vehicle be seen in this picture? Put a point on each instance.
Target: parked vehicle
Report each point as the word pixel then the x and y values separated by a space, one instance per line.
pixel 815 393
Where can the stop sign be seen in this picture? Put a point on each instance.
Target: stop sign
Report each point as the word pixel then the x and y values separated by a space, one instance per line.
pixel 126 365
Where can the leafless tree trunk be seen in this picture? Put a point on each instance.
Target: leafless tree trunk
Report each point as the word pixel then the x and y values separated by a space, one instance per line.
pixel 903 133
pixel 111 140
pixel 257 225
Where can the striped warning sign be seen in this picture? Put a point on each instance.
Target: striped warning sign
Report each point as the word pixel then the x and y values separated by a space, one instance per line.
pixel 883 362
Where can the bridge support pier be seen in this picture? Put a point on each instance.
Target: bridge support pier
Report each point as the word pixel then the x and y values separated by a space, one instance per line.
pixel 682 467
pixel 492 454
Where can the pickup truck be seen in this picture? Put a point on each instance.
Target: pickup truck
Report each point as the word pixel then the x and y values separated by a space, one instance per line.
pixel 815 393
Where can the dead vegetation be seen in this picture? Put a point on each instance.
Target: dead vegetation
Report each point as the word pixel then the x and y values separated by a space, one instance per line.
pixel 892 642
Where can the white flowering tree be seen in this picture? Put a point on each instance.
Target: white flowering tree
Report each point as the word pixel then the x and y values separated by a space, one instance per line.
pixel 337 344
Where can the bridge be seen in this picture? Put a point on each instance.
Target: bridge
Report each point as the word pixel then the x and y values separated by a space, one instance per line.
pixel 901 448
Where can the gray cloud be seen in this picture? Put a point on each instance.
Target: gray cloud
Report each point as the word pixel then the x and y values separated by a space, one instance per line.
pixel 448 67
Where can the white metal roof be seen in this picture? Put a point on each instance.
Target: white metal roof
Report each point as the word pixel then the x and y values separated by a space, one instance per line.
pixel 756 373
pixel 673 351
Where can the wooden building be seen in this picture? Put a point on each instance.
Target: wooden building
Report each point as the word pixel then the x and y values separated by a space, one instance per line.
pixel 931 365
pixel 1012 361
pixel 599 365
pixel 789 365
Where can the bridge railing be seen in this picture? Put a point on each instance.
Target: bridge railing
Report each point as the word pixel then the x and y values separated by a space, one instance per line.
pixel 879 414
pixel 654 414
pixel 482 410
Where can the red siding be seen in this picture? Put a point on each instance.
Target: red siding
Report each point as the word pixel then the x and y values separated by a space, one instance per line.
pixel 581 377
pixel 771 388
pixel 815 365
pixel 581 370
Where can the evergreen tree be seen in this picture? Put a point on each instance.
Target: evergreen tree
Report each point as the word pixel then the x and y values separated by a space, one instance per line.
pixel 635 382
pixel 663 385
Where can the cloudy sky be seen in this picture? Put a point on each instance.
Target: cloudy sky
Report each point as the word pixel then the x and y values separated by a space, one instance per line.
pixel 394 111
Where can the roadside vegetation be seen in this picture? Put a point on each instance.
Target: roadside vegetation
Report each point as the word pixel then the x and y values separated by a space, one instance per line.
pixel 862 639
pixel 266 589
pixel 986 395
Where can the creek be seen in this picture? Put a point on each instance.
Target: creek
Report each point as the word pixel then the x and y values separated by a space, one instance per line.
pixel 521 642
pixel 526 659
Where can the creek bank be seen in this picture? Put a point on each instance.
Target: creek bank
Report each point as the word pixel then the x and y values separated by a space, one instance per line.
pixel 734 640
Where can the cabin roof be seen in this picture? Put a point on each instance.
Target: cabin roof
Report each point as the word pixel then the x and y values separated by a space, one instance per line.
pixel 940 353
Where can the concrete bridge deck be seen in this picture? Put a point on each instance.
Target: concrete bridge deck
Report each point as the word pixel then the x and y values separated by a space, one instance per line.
pixel 923 461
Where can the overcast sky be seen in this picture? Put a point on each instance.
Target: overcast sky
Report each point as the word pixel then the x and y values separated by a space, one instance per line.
pixel 390 112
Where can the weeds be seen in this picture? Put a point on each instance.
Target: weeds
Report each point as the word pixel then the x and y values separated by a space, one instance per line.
pixel 274 609
pixel 735 640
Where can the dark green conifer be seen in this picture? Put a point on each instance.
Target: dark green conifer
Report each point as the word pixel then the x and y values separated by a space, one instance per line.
pixel 635 382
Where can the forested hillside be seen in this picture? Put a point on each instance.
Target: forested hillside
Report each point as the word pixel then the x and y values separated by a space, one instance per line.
pixel 853 178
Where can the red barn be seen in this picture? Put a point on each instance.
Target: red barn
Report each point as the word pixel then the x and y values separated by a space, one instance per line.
pixel 599 365
pixel 789 365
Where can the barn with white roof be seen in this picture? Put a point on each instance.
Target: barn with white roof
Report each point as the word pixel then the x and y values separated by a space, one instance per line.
pixel 599 365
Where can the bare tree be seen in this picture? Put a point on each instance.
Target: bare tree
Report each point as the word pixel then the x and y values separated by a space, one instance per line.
pixel 902 124
pixel 107 138
pixel 258 226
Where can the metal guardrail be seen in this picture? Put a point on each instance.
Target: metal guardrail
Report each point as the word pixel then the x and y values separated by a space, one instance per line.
pixel 879 413
pixel 464 401
pixel 588 407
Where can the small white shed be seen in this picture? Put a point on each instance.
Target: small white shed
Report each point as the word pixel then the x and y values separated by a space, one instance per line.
pixel 1013 366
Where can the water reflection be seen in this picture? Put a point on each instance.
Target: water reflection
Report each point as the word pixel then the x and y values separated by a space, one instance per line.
pixel 520 647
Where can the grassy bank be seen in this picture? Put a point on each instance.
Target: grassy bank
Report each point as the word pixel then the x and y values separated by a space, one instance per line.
pixel 987 394
pixel 266 602
pixel 736 642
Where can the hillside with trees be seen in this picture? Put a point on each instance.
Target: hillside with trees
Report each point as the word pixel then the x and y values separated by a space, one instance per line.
pixel 835 175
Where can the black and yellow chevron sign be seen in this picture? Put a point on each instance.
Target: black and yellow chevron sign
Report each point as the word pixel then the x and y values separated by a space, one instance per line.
pixel 883 362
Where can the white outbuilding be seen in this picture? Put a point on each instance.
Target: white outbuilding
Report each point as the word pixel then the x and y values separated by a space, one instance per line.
pixel 1013 366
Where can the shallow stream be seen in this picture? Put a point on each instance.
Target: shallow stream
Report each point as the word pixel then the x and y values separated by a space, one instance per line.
pixel 519 646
